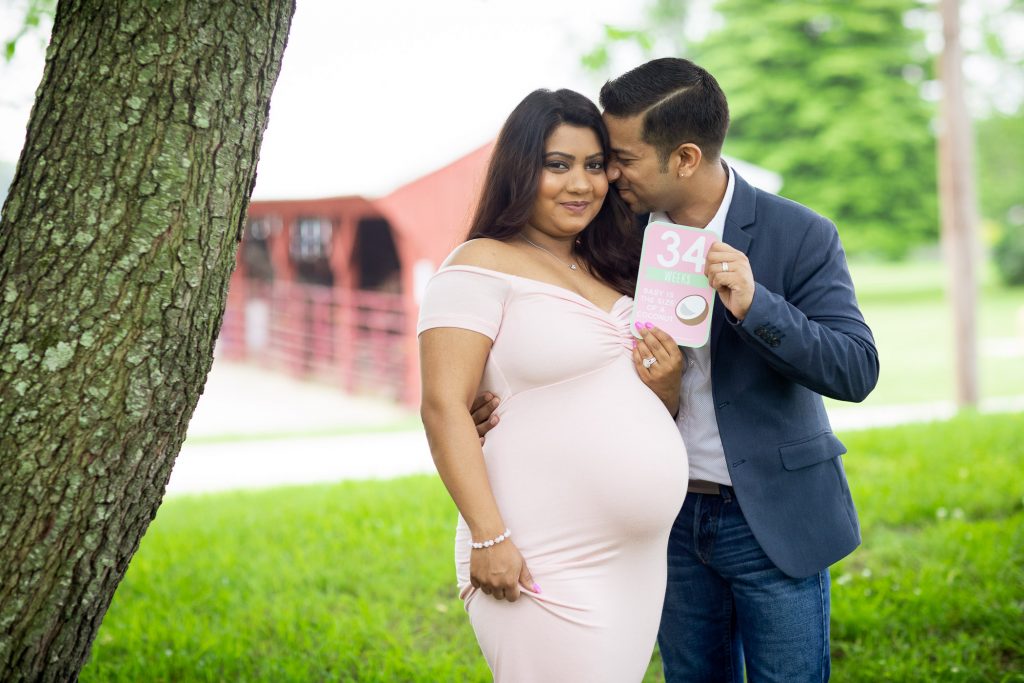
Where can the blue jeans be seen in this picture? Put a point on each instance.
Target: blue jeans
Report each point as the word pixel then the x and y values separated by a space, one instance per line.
pixel 728 605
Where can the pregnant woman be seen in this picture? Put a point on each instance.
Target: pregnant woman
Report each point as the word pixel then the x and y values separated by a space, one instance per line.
pixel 560 548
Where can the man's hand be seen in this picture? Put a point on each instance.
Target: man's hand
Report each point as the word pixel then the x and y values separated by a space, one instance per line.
pixel 728 271
pixel 481 410
pixel 665 374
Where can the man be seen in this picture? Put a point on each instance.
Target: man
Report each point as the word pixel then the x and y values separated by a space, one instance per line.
pixel 768 507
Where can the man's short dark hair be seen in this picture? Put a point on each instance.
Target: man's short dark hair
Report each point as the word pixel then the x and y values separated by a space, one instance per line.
pixel 681 102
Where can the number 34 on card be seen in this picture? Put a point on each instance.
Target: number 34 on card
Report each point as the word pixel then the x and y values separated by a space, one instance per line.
pixel 671 290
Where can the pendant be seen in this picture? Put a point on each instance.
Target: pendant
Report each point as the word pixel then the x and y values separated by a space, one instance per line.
pixel 572 266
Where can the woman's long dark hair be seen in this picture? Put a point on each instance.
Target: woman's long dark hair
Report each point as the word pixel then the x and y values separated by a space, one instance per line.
pixel 610 245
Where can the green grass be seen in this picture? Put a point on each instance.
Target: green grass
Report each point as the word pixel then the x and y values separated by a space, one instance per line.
pixel 341 582
pixel 905 306
pixel 936 593
pixel 354 582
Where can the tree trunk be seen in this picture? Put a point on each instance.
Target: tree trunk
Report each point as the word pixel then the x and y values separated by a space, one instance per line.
pixel 958 208
pixel 117 241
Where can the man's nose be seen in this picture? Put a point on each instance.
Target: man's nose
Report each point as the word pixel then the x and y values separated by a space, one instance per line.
pixel 613 172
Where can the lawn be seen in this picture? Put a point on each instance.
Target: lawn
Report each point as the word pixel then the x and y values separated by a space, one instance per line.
pixel 353 582
pixel 905 305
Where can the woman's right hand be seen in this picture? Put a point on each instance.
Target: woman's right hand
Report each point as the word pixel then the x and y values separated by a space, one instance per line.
pixel 500 571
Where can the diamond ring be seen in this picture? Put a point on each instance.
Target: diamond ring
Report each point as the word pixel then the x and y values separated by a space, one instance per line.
pixel 648 362
pixel 725 267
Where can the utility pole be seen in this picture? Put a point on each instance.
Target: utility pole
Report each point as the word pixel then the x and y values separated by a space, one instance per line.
pixel 958 207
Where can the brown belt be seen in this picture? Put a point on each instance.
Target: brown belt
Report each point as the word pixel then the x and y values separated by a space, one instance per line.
pixel 701 486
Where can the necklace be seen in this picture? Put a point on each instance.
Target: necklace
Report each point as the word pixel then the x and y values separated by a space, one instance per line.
pixel 572 266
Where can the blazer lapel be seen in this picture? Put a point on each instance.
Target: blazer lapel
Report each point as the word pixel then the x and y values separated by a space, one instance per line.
pixel 741 215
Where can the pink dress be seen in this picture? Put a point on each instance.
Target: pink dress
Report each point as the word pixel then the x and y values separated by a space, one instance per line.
pixel 588 470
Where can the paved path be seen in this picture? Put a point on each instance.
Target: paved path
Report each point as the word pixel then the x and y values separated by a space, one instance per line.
pixel 247 400
pixel 259 464
pixel 243 400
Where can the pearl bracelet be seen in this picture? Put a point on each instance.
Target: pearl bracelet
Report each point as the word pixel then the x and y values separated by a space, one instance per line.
pixel 494 541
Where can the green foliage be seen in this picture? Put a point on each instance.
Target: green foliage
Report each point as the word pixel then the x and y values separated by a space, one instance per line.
pixel 36 11
pixel 1009 255
pixel 825 94
pixel 355 581
pixel 597 59
pixel 998 25
pixel 999 148
pixel 664 24
pixel 1000 161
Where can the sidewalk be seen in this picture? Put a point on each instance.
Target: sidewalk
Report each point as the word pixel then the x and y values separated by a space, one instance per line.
pixel 248 401
pixel 223 450
pixel 254 428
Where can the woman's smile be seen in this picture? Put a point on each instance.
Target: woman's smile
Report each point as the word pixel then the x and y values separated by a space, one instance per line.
pixel 576 208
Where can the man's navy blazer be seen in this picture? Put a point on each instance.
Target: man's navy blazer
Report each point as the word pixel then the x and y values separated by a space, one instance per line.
pixel 803 338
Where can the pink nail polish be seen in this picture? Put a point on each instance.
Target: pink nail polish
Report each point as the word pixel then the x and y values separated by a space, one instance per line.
pixel 638 325
pixel 536 588
pixel 648 325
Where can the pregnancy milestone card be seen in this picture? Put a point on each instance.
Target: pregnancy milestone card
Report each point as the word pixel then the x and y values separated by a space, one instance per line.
pixel 671 290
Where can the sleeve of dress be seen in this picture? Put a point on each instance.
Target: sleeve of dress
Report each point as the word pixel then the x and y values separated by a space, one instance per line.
pixel 470 300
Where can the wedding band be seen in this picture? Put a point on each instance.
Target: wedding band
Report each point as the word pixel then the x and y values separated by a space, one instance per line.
pixel 648 362
pixel 725 267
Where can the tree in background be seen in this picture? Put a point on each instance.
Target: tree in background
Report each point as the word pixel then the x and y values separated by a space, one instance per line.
pixel 827 94
pixel 37 12
pixel 1000 153
pixel 999 134
pixel 117 241
pixel 664 31
pixel 999 142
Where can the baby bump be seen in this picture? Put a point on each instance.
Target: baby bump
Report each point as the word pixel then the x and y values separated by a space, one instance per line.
pixel 596 458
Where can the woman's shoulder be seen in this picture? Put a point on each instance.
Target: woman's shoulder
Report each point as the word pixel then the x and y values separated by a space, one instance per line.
pixel 486 253
pixel 471 275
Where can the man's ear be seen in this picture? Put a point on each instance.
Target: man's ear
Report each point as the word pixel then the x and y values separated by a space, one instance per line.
pixel 685 160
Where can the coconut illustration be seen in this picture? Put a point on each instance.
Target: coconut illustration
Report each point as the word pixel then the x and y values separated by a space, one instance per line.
pixel 692 310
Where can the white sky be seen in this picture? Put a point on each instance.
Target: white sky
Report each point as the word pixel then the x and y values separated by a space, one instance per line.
pixel 374 94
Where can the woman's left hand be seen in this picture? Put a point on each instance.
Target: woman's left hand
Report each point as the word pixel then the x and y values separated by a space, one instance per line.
pixel 665 375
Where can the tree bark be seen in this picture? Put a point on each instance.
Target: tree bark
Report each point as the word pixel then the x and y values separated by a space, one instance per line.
pixel 117 241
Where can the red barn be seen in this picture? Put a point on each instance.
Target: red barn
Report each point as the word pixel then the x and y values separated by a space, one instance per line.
pixel 329 288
